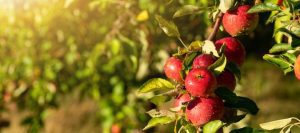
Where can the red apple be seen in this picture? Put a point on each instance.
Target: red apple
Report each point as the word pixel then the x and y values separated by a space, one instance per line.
pixel 238 21
pixel 200 82
pixel 172 69
pixel 234 51
pixel 297 67
pixel 203 60
pixel 180 99
pixel 226 79
pixel 115 128
pixel 203 110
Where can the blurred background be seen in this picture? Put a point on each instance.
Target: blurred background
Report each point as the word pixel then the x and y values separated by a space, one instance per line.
pixel 71 66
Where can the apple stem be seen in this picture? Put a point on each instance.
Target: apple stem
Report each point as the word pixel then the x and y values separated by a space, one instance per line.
pixel 175 127
pixel 216 27
pixel 182 42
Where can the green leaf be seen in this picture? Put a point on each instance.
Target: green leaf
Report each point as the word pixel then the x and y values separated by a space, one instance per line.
pixel 276 14
pixel 219 66
pixel 280 48
pixel 160 99
pixel 187 10
pixel 264 7
pixel 232 67
pixel 234 101
pixel 279 62
pixel 210 48
pixel 276 124
pixel 195 46
pixel 213 126
pixel 248 130
pixel 233 119
pixel 160 113
pixel 168 27
pixel 156 84
pixel 289 57
pixel 159 121
pixel 189 59
pixel 189 128
pixel 294 34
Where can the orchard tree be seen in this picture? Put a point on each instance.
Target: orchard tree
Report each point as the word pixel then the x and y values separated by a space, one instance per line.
pixel 202 76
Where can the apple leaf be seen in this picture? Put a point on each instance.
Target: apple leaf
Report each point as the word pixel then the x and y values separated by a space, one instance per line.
pixel 210 48
pixel 226 5
pixel 279 62
pixel 280 48
pixel 290 57
pixel 160 113
pixel 187 10
pixel 293 33
pixel 275 15
pixel 219 66
pixel 189 59
pixel 156 84
pixel 232 67
pixel 233 119
pixel 248 130
pixel 264 7
pixel 160 99
pixel 159 121
pixel 168 27
pixel 234 101
pixel 195 46
pixel 189 128
pixel 276 124
pixel 212 126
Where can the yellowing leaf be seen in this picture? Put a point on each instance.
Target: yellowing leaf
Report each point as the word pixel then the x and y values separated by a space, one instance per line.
pixel 209 47
pixel 276 124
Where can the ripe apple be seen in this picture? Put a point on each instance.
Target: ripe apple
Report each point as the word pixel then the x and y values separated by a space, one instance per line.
pixel 203 60
pixel 180 99
pixel 202 110
pixel 297 67
pixel 115 128
pixel 172 69
pixel 238 21
pixel 200 82
pixel 226 79
pixel 234 51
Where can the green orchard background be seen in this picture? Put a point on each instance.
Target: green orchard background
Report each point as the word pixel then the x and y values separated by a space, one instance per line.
pixel 76 65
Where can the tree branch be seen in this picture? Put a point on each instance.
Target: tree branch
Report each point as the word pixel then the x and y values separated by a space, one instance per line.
pixel 216 27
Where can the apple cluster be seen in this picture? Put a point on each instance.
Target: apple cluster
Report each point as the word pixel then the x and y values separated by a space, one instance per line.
pixel 199 84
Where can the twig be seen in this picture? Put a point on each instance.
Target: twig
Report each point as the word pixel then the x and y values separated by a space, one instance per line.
pixel 216 27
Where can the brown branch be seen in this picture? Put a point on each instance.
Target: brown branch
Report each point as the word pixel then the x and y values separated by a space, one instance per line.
pixel 216 27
